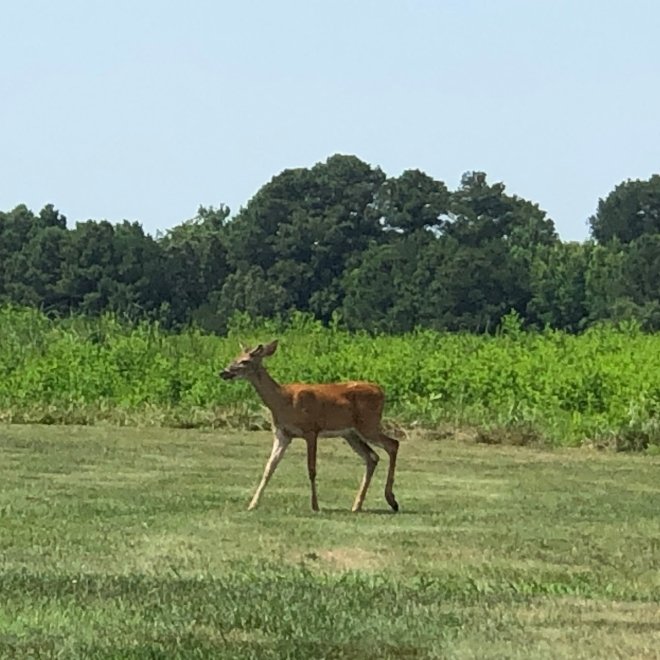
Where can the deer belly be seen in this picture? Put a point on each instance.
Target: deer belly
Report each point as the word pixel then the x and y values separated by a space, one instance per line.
pixel 298 432
pixel 334 433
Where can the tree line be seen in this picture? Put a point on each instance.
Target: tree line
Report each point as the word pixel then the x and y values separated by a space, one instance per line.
pixel 347 244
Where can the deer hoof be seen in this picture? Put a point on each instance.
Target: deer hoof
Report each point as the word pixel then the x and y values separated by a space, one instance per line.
pixel 393 503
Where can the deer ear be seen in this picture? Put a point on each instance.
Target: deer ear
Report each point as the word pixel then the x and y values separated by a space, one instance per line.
pixel 269 349
pixel 257 351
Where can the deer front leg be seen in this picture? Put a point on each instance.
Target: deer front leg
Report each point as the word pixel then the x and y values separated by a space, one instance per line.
pixel 311 467
pixel 280 442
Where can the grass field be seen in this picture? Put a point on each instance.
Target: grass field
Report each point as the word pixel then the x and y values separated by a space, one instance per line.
pixel 135 543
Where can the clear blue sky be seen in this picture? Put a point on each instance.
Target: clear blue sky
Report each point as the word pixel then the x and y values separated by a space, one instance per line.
pixel 143 110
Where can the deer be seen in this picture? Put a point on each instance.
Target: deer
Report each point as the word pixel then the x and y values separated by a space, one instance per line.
pixel 352 410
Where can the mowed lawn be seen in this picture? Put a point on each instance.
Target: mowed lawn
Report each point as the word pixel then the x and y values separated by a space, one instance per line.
pixel 136 543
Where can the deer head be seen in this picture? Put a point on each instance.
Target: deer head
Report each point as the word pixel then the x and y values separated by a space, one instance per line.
pixel 248 361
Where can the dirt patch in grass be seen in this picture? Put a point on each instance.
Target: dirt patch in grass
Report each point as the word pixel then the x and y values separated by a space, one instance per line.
pixel 518 435
pixel 342 559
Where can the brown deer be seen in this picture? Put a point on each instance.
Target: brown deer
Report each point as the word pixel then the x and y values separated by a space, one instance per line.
pixel 351 410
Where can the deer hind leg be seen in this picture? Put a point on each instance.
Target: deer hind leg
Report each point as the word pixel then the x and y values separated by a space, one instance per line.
pixel 370 460
pixel 280 443
pixel 391 446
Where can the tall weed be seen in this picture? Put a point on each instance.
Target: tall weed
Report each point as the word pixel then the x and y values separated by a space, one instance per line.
pixel 604 383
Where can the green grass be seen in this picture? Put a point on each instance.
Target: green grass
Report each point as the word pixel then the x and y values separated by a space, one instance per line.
pixel 125 543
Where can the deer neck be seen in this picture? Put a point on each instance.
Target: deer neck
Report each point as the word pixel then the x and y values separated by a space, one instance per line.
pixel 268 389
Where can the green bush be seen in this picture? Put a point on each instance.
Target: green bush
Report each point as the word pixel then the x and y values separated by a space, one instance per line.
pixel 603 384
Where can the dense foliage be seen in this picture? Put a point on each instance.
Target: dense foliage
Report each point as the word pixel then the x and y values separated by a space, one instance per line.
pixel 341 240
pixel 602 385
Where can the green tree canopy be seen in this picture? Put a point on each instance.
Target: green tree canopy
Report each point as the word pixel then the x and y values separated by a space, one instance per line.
pixel 631 210
pixel 388 253
pixel 195 262
pixel 482 212
pixel 303 227
pixel 411 202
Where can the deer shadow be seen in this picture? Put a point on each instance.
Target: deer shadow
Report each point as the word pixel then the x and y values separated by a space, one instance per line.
pixel 369 512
